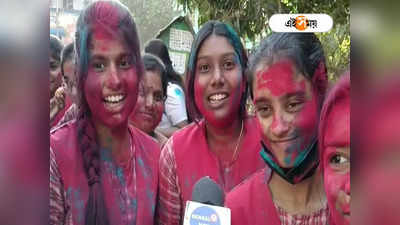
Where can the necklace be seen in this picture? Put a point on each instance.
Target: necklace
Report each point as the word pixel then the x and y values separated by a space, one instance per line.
pixel 234 156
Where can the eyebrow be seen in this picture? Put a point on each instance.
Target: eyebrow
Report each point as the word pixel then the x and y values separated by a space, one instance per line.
pixel 295 93
pixel 223 55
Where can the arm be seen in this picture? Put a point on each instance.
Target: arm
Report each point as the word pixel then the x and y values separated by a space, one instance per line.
pixel 168 132
pixel 169 206
pixel 57 103
pixel 57 211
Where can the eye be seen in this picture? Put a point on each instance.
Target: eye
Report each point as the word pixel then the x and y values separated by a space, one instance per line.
pixel 229 65
pixel 294 106
pixel 338 160
pixel 54 65
pixel 204 68
pixel 98 66
pixel 264 110
pixel 125 63
pixel 158 97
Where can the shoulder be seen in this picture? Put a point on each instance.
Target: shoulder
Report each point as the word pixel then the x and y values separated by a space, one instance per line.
pixel 242 193
pixel 145 141
pixel 63 131
pixel 190 131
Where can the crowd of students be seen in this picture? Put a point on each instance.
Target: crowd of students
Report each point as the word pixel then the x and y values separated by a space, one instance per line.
pixel 129 139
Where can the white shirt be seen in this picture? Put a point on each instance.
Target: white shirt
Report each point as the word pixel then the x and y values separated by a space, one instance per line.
pixel 174 107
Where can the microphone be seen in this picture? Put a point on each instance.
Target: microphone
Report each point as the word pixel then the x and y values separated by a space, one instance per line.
pixel 206 206
pixel 208 192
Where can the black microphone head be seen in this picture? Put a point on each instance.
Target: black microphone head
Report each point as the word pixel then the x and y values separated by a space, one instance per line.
pixel 208 192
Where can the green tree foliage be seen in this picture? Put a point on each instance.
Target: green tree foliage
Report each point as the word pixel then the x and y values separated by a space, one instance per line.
pixel 151 15
pixel 250 20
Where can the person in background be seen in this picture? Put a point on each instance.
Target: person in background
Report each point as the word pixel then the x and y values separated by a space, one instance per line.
pixel 175 113
pixel 152 93
pixel 69 88
pixel 334 150
pixel 102 169
pixel 288 81
pixel 223 142
pixel 56 98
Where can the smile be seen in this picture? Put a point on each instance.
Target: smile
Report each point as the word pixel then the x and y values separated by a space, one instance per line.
pixel 114 99
pixel 215 98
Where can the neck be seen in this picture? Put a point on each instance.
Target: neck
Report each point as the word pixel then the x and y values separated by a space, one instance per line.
pixel 302 198
pixel 115 139
pixel 222 139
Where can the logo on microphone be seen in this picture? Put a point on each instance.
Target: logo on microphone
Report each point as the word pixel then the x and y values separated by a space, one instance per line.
pixel 204 216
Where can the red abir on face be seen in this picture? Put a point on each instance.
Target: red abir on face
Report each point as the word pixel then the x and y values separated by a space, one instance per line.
pixel 286 106
pixel 218 81
pixel 111 86
pixel 150 105
pixel 336 161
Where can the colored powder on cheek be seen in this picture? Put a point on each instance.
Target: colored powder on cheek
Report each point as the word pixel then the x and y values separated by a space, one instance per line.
pixel 278 79
pixel 307 120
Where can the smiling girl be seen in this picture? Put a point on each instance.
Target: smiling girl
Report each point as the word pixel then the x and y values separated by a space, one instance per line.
pixel 102 170
pixel 222 143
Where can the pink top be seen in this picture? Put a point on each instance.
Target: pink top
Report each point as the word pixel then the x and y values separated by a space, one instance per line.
pixel 130 190
pixel 61 113
pixel 186 158
pixel 251 203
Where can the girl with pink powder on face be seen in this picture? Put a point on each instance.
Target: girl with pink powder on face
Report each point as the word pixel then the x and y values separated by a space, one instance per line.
pixel 103 170
pixel 222 143
pixel 334 149
pixel 288 82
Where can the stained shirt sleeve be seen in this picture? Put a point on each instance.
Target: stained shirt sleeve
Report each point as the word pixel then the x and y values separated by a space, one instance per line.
pixel 57 208
pixel 175 107
pixel 169 210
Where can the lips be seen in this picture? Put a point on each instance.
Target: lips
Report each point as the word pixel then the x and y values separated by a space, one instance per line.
pixel 114 102
pixel 284 140
pixel 147 115
pixel 217 98
pixel 114 98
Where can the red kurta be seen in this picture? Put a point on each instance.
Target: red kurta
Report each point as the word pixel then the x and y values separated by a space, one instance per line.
pixel 129 192
pixel 251 203
pixel 186 158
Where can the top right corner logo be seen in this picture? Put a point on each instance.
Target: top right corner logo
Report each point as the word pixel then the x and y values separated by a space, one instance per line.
pixel 301 23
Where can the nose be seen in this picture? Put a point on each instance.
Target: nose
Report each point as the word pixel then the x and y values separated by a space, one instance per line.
pixel 149 101
pixel 114 80
pixel 218 79
pixel 279 126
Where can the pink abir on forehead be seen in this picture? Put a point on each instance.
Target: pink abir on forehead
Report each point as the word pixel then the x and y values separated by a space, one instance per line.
pixel 279 79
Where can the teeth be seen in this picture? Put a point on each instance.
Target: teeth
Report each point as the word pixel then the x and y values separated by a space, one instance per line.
pixel 114 98
pixel 217 97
